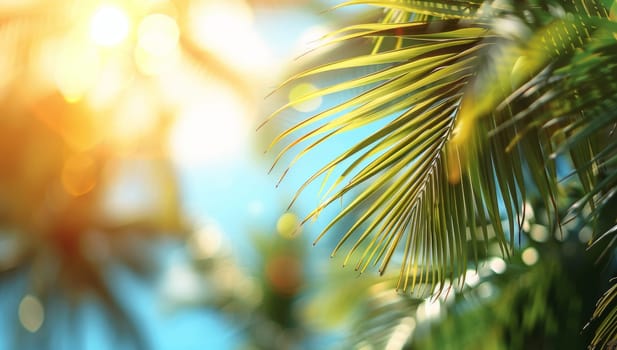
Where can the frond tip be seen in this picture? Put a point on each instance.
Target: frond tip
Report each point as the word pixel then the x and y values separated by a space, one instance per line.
pixel 606 309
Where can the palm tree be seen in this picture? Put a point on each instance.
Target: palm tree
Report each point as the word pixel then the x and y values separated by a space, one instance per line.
pixel 474 109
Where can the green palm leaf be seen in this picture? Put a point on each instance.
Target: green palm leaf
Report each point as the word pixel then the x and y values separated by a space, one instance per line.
pixel 606 334
pixel 468 119
pixel 401 166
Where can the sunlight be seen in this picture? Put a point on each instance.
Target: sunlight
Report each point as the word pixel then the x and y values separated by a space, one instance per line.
pixel 158 34
pixel 216 23
pixel 539 233
pixel 76 69
pixel 157 45
pixel 311 39
pixel 472 278
pixel 227 28
pixel 16 5
pixel 136 116
pixel 132 191
pixel 428 310
pixel 400 335
pixel 109 26
pixel 114 78
pixel 209 130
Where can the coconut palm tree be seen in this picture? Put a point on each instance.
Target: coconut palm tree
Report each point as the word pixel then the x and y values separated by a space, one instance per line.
pixel 473 109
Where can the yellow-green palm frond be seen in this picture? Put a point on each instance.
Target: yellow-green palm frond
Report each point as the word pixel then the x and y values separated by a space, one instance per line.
pixel 462 100
pixel 440 9
pixel 402 166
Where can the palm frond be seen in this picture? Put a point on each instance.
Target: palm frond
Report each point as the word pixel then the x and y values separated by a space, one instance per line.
pixel 402 164
pixel 467 117
pixel 439 9
pixel 606 333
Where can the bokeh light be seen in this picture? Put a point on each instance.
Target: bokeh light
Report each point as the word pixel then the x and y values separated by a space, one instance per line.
pixel 428 310
pixel 301 90
pixel 115 76
pixel 530 256
pixel 157 44
pixel 401 334
pixel 109 26
pixel 158 34
pixel 288 225
pixel 311 39
pixel 539 233
pixel 498 265
pixel 585 234
pixel 76 69
pixel 182 284
pixel 135 116
pixel 31 313
pixel 227 27
pixel 206 242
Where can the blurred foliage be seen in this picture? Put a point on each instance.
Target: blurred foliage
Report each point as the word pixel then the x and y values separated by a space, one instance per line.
pixel 261 298
pixel 86 180
pixel 542 297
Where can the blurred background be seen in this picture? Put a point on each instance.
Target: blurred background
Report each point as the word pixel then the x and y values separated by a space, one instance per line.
pixel 137 211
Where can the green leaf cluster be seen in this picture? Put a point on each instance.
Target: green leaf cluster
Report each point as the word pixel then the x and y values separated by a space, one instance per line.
pixel 477 103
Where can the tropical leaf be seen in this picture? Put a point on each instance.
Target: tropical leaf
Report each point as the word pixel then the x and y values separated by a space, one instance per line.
pixel 440 9
pixel 402 162
pixel 475 103
pixel 606 333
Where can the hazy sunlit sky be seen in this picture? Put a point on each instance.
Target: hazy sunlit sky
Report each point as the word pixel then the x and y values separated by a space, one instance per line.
pixel 139 69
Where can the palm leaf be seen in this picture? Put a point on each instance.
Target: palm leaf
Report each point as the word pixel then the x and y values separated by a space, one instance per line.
pixel 429 179
pixel 606 333
pixel 440 9
pixel 403 160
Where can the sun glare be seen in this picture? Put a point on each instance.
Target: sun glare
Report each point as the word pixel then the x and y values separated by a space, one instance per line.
pixel 157 45
pixel 158 34
pixel 211 130
pixel 76 70
pixel 311 39
pixel 109 26
pixel 227 28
